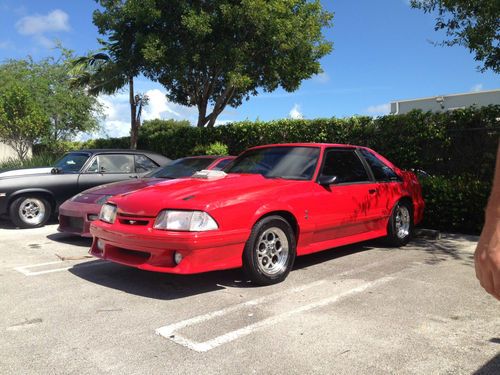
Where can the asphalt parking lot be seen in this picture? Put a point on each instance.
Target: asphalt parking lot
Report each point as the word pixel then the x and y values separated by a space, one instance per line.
pixel 361 309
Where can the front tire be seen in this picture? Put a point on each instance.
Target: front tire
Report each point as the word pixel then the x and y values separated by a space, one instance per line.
pixel 30 211
pixel 270 251
pixel 400 226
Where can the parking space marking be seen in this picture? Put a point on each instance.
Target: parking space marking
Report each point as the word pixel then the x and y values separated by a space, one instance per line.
pixel 25 270
pixel 169 331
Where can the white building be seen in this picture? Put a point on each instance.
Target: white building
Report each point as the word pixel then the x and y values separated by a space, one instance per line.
pixel 447 102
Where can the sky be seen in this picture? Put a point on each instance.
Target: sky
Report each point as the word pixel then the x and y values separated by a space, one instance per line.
pixel 382 52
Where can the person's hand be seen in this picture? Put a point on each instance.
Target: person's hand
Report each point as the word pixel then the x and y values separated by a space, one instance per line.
pixel 487 256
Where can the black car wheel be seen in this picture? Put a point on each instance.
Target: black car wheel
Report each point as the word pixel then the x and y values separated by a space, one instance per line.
pixel 30 211
pixel 400 226
pixel 270 251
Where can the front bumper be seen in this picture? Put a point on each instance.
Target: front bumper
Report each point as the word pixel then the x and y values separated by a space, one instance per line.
pixel 74 217
pixel 153 250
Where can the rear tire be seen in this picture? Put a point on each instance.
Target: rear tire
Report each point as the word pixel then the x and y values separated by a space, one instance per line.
pixel 270 251
pixel 400 226
pixel 30 211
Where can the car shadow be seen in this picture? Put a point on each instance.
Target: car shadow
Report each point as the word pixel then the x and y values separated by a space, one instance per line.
pixel 70 239
pixel 6 224
pixel 491 367
pixel 305 261
pixel 164 286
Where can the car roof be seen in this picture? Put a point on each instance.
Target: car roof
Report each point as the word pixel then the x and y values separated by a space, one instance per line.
pixel 312 144
pixel 114 150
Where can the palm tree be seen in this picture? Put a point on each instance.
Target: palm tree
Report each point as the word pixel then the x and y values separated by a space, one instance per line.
pixel 99 73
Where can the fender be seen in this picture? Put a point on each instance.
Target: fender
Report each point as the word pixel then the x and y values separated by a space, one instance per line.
pixel 17 193
pixel 305 226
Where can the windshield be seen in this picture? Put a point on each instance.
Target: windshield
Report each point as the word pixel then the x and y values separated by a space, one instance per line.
pixel 181 168
pixel 291 163
pixel 72 162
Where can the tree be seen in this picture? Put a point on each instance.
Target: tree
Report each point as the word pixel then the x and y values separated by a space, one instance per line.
pixel 118 62
pixel 22 120
pixel 69 111
pixel 100 74
pixel 212 54
pixel 473 24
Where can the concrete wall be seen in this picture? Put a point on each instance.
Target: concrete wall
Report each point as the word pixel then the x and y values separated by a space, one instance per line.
pixel 447 102
pixel 7 152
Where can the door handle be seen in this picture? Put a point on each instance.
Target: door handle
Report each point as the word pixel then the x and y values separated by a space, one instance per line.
pixel 372 191
pixel 132 176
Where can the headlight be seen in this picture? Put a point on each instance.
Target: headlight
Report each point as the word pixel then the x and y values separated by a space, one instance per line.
pixel 103 199
pixel 193 221
pixel 108 213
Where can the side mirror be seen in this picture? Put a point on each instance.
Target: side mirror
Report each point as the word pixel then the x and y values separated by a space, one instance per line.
pixel 55 170
pixel 327 180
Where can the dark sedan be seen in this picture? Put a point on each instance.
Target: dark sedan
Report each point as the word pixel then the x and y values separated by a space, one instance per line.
pixel 30 196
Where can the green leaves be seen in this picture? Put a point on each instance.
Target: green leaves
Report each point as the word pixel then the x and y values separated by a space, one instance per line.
pixel 35 90
pixel 22 120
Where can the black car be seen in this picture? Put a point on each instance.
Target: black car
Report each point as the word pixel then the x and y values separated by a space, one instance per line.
pixel 30 196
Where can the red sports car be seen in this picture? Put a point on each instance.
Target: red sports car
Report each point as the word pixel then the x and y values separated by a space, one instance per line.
pixel 76 214
pixel 271 204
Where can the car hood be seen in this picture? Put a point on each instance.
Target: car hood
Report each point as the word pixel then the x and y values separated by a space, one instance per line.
pixel 197 193
pixel 25 172
pixel 121 187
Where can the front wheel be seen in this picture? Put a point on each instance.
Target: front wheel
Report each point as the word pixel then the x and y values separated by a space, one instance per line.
pixel 400 226
pixel 270 251
pixel 30 211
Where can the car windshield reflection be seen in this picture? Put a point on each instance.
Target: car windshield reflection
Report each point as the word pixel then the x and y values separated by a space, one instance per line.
pixel 72 162
pixel 181 168
pixel 290 163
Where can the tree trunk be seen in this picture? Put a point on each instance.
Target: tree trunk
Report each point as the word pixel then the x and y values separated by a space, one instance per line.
pixel 209 121
pixel 134 126
pixel 202 112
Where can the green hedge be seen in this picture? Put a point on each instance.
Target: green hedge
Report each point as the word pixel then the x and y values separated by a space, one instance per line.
pixel 455 204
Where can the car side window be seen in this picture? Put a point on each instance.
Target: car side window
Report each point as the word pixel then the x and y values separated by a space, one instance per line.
pixel 115 163
pixel 144 164
pixel 381 172
pixel 345 165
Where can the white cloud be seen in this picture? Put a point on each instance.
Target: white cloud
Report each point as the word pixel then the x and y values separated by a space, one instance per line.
pixel 295 113
pixel 117 111
pixel 321 77
pixel 38 25
pixel 477 88
pixel 158 106
pixel 57 20
pixel 381 109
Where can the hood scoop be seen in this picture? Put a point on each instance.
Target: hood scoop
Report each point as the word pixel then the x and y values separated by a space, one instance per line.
pixel 209 174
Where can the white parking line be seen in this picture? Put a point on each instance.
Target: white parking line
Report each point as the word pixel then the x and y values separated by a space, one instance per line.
pixel 25 270
pixel 169 331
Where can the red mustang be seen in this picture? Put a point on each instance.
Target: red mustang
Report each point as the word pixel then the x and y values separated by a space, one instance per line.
pixel 273 203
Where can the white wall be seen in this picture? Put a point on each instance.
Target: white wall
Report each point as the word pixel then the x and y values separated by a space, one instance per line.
pixel 7 152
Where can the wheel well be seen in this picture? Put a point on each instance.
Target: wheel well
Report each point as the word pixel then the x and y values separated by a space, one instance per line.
pixel 288 216
pixel 407 200
pixel 42 194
